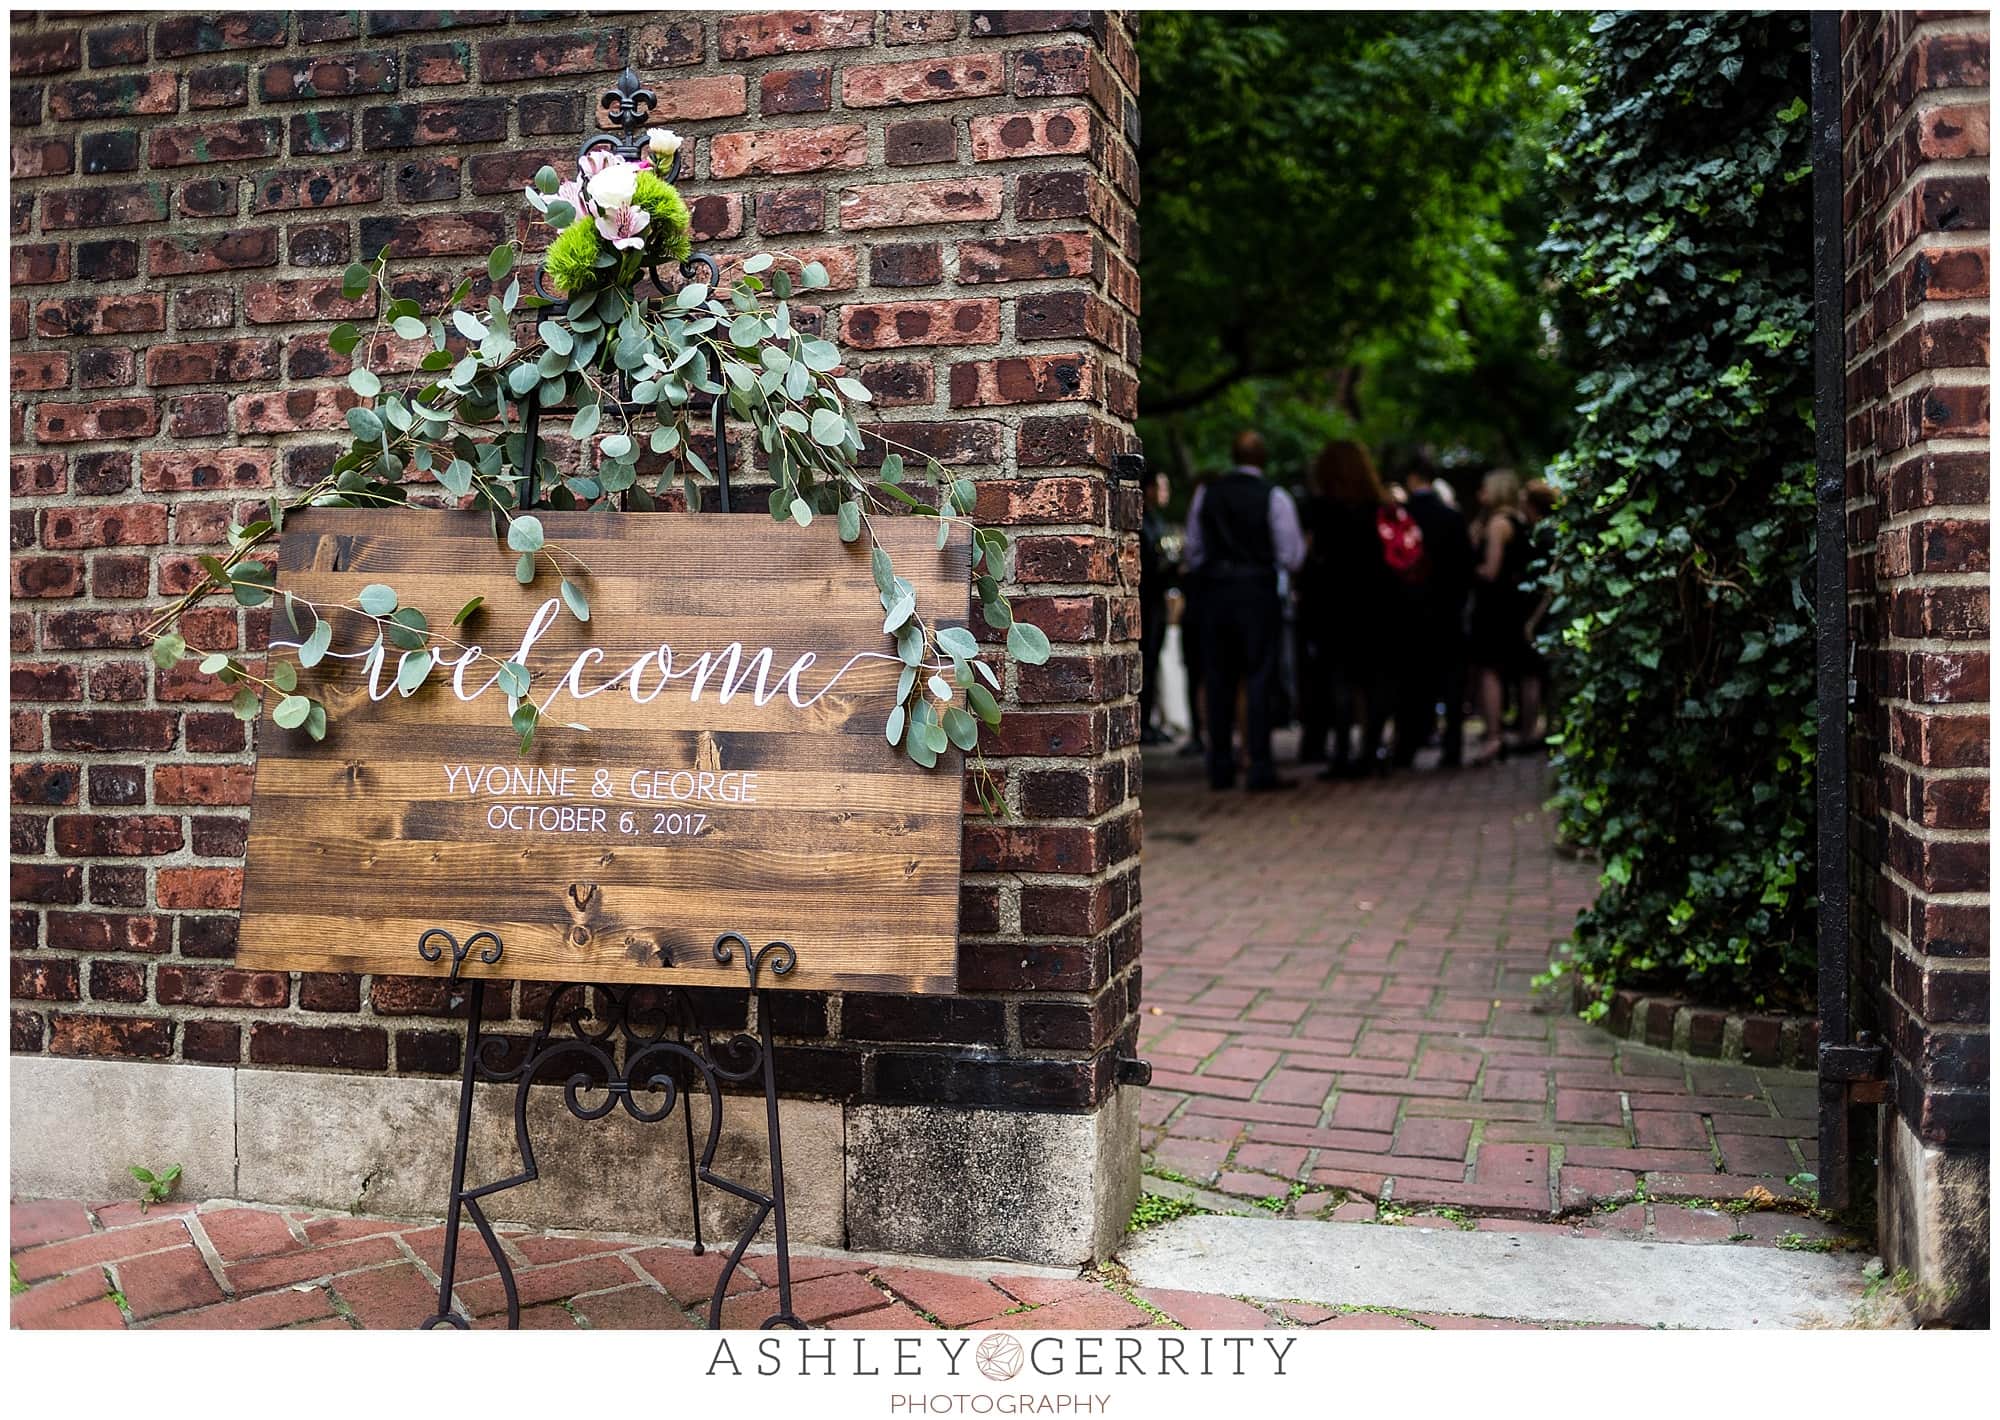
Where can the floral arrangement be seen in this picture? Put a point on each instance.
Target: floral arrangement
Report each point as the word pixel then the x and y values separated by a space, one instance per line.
pixel 615 213
pixel 637 373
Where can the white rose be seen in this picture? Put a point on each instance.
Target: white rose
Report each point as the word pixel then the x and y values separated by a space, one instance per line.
pixel 611 190
pixel 663 143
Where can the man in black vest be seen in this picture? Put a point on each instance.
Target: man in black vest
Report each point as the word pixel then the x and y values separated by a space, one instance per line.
pixel 1435 665
pixel 1241 530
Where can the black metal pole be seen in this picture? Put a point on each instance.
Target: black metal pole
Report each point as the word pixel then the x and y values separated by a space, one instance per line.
pixel 777 1161
pixel 1830 601
pixel 475 1011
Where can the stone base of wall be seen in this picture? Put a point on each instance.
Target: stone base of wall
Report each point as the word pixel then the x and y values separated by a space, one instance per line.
pixel 937 1181
pixel 1751 1037
pixel 1934 1220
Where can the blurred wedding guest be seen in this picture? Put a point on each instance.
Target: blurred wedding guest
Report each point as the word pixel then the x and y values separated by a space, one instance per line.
pixel 1194 613
pixel 1501 606
pixel 1241 531
pixel 1153 578
pixel 1351 604
pixel 1434 663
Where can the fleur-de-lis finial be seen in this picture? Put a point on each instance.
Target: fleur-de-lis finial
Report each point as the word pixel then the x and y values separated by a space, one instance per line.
pixel 628 104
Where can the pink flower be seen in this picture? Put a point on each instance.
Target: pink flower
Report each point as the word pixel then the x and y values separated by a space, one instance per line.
pixel 572 193
pixel 595 162
pixel 622 228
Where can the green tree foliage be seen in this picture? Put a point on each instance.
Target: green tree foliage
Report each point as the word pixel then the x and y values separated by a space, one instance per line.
pixel 1341 216
pixel 1681 553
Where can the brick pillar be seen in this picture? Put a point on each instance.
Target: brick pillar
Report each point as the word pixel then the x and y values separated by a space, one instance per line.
pixel 187 189
pixel 1917 253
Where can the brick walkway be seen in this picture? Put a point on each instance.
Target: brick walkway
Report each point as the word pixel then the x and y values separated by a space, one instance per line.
pixel 222 1265
pixel 1341 1022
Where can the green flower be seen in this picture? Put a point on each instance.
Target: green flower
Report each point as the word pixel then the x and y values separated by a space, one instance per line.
pixel 668 234
pixel 572 260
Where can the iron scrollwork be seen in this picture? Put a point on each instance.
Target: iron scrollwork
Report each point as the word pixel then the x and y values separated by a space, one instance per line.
pixel 647 1050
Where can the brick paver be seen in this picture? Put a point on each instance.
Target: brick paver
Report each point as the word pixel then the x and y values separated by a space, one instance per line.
pixel 1339 994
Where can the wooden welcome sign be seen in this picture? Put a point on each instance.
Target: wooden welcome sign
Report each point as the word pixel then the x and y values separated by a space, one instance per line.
pixel 734 776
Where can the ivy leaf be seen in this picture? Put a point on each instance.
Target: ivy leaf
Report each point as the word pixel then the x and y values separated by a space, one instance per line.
pixel 291 712
pixel 313 649
pixel 524 534
pixel 377 599
pixel 574 598
pixel 1027 643
pixel 466 612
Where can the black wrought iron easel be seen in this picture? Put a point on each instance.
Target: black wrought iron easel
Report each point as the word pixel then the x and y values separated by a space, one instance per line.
pixel 629 1043
pixel 625 1043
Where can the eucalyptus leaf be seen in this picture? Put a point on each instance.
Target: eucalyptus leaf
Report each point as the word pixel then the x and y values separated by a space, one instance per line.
pixel 524 568
pixel 524 534
pixel 284 675
pixel 894 729
pixel 410 328
pixel 850 521
pixel 377 599
pixel 415 668
pixel 291 712
pixel 586 420
pixel 314 648
pixel 364 382
pixel 961 728
pixel 1027 644
pixel 574 598
pixel 513 678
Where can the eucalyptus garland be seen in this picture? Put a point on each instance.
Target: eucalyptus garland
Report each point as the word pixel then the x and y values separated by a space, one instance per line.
pixel 640 372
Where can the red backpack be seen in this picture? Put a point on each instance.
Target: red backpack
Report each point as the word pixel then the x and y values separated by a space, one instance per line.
pixel 1402 544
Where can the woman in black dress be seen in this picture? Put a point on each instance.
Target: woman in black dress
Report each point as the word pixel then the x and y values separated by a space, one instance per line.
pixel 1501 608
pixel 1350 605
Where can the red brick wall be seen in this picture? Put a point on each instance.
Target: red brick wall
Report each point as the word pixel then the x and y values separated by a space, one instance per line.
pixel 1918 257
pixel 186 190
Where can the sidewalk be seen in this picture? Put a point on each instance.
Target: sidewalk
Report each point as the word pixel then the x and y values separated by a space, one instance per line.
pixel 1341 1022
pixel 224 1265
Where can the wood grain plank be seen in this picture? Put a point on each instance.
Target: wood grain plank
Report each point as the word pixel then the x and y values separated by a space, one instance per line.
pixel 838 845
